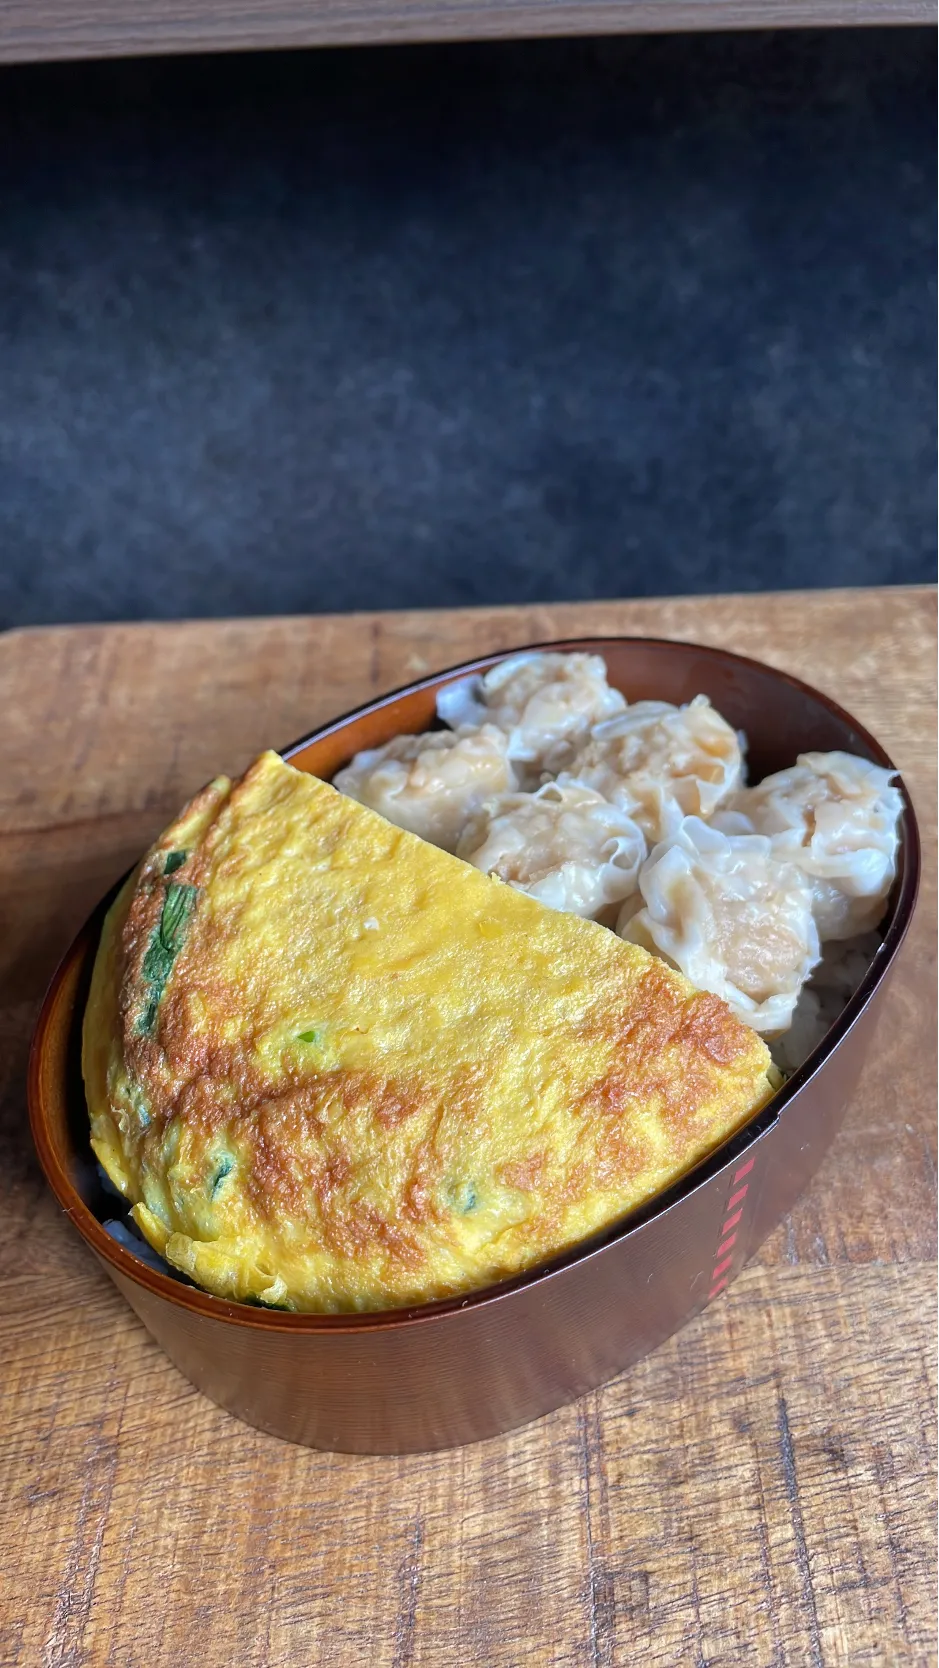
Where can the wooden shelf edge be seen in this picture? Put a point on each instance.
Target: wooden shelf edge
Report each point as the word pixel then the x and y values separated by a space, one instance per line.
pixel 56 29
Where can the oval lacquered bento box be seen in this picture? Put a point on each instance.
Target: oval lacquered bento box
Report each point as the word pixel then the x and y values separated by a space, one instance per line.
pixel 454 1372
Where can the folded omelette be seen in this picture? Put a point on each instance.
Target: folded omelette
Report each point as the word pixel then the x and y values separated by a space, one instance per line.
pixel 334 1068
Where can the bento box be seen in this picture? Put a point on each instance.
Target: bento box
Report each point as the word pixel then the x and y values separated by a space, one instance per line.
pixel 457 1371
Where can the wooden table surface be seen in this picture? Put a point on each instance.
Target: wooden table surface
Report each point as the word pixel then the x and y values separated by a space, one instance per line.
pixel 760 1491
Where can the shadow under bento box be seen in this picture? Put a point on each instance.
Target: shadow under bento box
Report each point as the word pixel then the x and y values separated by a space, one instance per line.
pixel 454 1372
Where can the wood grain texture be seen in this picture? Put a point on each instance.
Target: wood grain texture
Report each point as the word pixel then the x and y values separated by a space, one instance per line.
pixel 117 28
pixel 759 1492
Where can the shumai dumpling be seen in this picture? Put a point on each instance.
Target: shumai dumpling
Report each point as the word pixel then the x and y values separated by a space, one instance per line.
pixel 545 703
pixel 432 783
pixel 734 918
pixel 837 817
pixel 662 763
pixel 565 846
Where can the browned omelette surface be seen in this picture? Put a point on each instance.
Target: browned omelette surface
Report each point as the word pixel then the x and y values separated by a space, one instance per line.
pixel 335 1068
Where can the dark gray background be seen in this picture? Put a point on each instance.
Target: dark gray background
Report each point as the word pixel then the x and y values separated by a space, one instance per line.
pixel 466 324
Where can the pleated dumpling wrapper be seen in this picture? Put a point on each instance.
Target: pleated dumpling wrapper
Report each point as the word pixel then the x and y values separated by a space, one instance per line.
pixel 335 1068
pixel 432 783
pixel 566 846
pixel 838 817
pixel 735 918
pixel 545 704
pixel 661 763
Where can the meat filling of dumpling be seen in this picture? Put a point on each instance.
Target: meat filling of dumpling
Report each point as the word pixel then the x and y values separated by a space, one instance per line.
pixel 837 817
pixel 431 783
pixel 566 846
pixel 545 703
pixel 662 763
pixel 732 917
